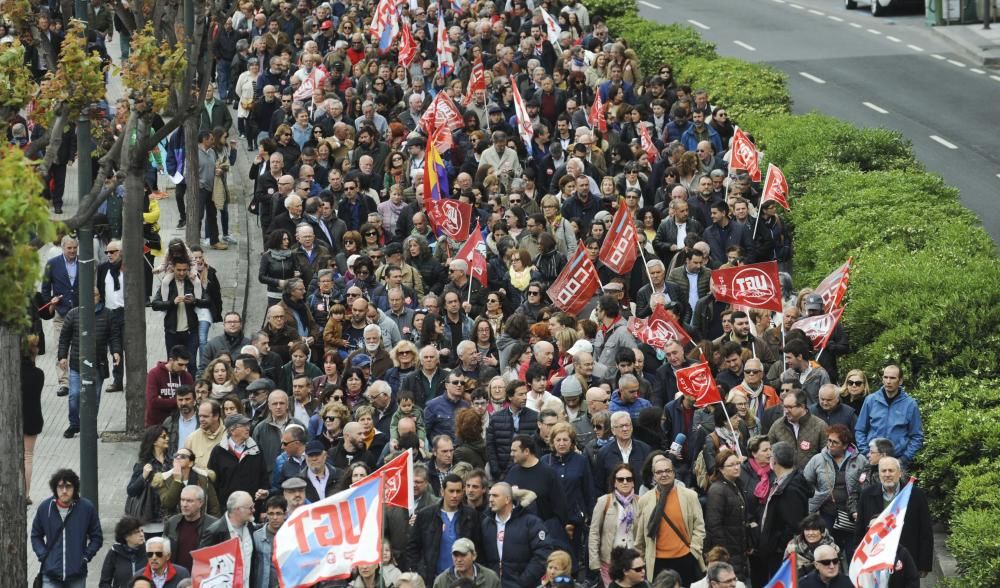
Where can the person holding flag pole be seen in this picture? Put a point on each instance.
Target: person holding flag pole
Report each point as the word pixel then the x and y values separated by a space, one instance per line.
pixel 775 188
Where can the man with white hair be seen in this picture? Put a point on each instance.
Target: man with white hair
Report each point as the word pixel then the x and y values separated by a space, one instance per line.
pixel 657 273
pixel 236 522
pixel 474 300
pixel 372 118
pixel 374 349
pixel 290 218
pixel 159 568
pixel 411 118
pixel 622 448
pixel 828 572
pixel 470 362
pixel 184 530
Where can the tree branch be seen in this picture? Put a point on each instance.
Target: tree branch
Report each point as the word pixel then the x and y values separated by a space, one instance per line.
pixel 51 141
pixel 93 200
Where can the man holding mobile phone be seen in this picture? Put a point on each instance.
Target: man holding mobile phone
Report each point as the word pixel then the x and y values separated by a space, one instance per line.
pixel 178 297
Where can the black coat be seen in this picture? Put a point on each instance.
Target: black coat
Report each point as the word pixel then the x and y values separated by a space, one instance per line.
pixel 248 474
pixel 784 511
pixel 273 270
pixel 918 537
pixel 120 564
pixel 107 340
pixel 500 434
pixel 168 305
pixel 526 547
pixel 726 523
pixel 424 544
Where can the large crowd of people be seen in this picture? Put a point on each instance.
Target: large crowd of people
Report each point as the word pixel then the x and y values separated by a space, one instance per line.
pixel 551 449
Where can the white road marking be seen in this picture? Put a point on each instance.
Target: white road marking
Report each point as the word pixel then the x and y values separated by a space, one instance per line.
pixel 941 57
pixel 809 76
pixel 998 175
pixel 997 78
pixel 744 45
pixel 893 39
pixel 797 6
pixel 978 71
pixel 835 18
pixel 701 26
pixel 780 1
pixel 856 25
pixel 650 4
pixel 915 48
pixel 876 108
pixel 816 12
pixel 874 32
pixel 956 63
pixel 944 142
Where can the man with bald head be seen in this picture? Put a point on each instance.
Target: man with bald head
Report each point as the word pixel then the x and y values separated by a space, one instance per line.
pixel 268 432
pixel 829 407
pixel 828 570
pixel 515 542
pixel 352 448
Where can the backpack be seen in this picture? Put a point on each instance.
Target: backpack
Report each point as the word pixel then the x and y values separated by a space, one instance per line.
pixel 703 477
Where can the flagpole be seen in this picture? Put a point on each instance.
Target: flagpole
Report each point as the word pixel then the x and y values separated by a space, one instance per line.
pixel 755 225
pixel 735 436
pixel 784 365
pixel 651 286
pixel 469 297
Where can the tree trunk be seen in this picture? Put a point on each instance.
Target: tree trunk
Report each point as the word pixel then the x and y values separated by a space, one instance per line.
pixel 134 158
pixel 14 522
pixel 192 234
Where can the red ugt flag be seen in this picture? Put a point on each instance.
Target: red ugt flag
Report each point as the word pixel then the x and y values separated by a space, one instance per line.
pixel 755 285
pixel 470 254
pixel 620 248
pixel 453 218
pixel 397 481
pixel 697 382
pixel 576 284
pixel 218 565
pixel 647 143
pixel 819 328
pixel 477 81
pixel 744 155
pixel 658 330
pixel 834 287
pixel 597 119
pixel 775 187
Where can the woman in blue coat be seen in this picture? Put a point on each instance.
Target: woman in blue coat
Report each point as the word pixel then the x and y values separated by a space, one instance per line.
pixel 573 470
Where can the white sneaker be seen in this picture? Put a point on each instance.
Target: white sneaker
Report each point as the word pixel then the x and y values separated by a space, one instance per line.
pixel 205 242
pixel 229 239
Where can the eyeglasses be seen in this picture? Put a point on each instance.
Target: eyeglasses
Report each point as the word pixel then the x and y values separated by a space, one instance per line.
pixel 455 382
pixel 533 293
pixel 624 479
pixel 662 472
pixel 833 442
pixel 182 456
pixel 154 554
pixel 336 398
pixel 828 562
pixel 405 352
pixel 329 419
pixel 513 201
pixel 752 371
pixel 639 569
pixel 855 383
pixel 371 234
pixel 110 251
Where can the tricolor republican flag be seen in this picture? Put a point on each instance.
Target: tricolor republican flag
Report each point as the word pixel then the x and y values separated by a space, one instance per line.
pixel 786 576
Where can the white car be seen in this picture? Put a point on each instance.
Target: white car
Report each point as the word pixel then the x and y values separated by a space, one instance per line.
pixel 882 7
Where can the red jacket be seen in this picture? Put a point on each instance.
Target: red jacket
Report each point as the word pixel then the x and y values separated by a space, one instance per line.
pixel 161 388
pixel 174 574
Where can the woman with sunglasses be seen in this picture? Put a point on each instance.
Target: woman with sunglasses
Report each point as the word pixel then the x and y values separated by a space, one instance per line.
pixel 371 240
pixel 330 420
pixel 286 146
pixel 627 569
pixel 855 390
pixel 169 484
pixel 722 124
pixel 404 362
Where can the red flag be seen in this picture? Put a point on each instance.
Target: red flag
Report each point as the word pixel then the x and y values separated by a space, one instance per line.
pixel 697 382
pixel 775 187
pixel 470 254
pixel 620 248
pixel 834 287
pixel 442 112
pixel 755 285
pixel 397 480
pixel 218 565
pixel 407 46
pixel 597 117
pixel 647 143
pixel 819 328
pixel 524 127
pixel 576 284
pixel 477 81
pixel 658 330
pixel 453 218
pixel 744 155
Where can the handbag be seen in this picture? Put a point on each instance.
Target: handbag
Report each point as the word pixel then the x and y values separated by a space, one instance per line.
pixel 843 522
pixel 151 237
pixel 142 507
pixel 39 581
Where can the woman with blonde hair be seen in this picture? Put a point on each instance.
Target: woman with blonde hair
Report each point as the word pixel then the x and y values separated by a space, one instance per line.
pixel 558 565
pixel 739 399
pixel 855 390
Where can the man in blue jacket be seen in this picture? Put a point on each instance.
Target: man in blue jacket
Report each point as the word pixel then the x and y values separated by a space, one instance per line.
pixel 61 290
pixel 515 544
pixel 891 413
pixel 66 533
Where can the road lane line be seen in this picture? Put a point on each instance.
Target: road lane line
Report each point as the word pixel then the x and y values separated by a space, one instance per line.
pixel 941 57
pixel 893 39
pixel 780 1
pixel 701 26
pixel 809 76
pixel 816 12
pixel 915 48
pixel 744 45
pixel 876 108
pixel 796 6
pixel 944 142
pixel 650 4
pixel 997 78
pixel 956 63
pixel 856 25
pixel 874 32
pixel 835 18
pixel 978 71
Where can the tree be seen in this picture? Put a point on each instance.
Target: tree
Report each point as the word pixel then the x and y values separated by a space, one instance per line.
pixel 23 218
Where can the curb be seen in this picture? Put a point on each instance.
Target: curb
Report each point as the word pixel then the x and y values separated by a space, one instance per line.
pixel 984 53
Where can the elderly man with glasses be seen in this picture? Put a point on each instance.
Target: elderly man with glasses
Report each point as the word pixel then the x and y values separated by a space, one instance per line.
pixel 829 572
pixel 238 523
pixel 184 530
pixel 159 568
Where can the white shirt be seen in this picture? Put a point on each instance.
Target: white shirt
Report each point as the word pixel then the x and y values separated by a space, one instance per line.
pixel 246 546
pixel 113 298
pixel 300 413
pixel 501 531
pixel 626 451
pixel 682 232
pixel 319 484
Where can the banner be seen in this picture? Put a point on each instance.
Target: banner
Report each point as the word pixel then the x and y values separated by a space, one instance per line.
pixel 647 143
pixel 621 247
pixel 597 118
pixel 326 540
pixel 523 120
pixel 472 253
pixel 477 81
pixel 744 155
pixel 875 558
pixel 552 28
pixel 446 61
pixel 442 112
pixel 576 284
pixel 834 287
pixel 787 575
pixel 819 328
pixel 775 187
pixel 313 80
pixel 385 24
pixel 697 382
pixel 407 46
pixel 658 330
pixel 218 566
pixel 397 481
pixel 754 286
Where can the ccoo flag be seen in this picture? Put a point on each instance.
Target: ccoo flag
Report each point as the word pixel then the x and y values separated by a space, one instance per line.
pixel 754 285
pixel 875 558
pixel 472 253
pixel 744 155
pixel 775 187
pixel 576 284
pixel 659 329
pixel 620 248
pixel 326 540
pixel 218 566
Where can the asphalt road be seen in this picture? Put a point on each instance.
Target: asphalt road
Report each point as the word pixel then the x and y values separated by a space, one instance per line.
pixel 888 72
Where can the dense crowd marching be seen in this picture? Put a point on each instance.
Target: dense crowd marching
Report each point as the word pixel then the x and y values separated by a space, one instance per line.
pixel 552 449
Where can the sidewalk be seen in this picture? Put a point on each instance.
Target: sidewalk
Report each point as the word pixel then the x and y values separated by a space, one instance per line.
pixel 115 459
pixel 983 46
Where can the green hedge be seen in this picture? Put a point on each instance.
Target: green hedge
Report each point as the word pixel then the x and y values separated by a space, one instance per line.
pixel 657 44
pixel 744 88
pixel 610 8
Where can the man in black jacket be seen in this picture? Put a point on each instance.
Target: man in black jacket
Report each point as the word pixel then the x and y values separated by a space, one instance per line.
pixel 185 530
pixel 236 522
pixel 785 508
pixel 525 544
pixel 107 341
pixel 437 527
pixel 178 297
pixel 111 285
pixel 505 424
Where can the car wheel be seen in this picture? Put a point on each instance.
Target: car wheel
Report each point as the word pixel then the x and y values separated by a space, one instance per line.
pixel 878 9
pixel 850 4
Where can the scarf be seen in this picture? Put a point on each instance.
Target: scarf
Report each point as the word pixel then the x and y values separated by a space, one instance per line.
pixel 661 502
pixel 370 437
pixel 763 488
pixel 301 312
pixel 520 280
pixel 279 254
pixel 626 513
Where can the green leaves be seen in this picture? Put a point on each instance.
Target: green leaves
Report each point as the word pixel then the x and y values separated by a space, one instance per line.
pixel 743 88
pixel 16 85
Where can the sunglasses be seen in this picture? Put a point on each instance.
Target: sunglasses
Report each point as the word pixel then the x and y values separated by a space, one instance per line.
pixel 828 562
pixel 181 456
pixel 370 234
pixel 534 293
pixel 154 554
pixel 110 251
pixel 337 397
pixel 639 569
pixel 628 479
pixel 752 371
pixel 855 383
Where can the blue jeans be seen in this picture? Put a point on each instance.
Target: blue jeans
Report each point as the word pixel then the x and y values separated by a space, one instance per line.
pixel 222 78
pixel 203 327
pixel 74 398
pixel 73 583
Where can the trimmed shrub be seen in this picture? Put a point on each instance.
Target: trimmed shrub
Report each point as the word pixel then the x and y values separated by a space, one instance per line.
pixel 743 88
pixel 976 545
pixel 656 44
pixel 611 8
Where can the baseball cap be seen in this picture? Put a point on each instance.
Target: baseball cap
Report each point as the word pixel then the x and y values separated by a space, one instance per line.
pixel 327 25
pixel 813 302
pixel 463 546
pixel 315 447
pixel 361 360
pixel 581 345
